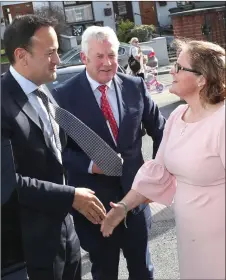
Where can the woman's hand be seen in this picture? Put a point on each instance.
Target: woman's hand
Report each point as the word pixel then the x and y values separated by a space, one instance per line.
pixel 112 219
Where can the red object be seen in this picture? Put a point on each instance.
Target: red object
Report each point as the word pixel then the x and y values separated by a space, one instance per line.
pixel 107 112
pixel 151 54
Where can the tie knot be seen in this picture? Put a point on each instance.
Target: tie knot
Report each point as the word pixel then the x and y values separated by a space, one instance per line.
pixel 102 89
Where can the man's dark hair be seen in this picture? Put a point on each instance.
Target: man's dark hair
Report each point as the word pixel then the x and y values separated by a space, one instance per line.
pixel 19 33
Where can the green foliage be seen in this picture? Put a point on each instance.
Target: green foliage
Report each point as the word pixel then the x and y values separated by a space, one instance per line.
pixel 142 32
pixel 124 28
pixel 127 30
pixel 4 59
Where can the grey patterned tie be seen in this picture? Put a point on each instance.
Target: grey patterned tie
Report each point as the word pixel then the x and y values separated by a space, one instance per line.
pixel 92 144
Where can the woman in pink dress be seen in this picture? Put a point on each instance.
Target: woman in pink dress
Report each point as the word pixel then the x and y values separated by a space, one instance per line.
pixel 190 164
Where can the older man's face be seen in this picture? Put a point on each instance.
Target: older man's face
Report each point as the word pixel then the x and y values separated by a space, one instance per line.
pixel 101 61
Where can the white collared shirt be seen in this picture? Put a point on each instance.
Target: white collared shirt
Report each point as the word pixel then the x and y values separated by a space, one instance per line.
pixel 112 99
pixel 29 87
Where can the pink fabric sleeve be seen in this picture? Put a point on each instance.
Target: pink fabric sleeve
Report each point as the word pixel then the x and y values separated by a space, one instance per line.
pixel 153 180
pixel 221 141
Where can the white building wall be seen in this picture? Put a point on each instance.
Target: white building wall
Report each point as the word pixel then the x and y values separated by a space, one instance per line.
pixel 163 12
pixel 98 10
pixel 136 10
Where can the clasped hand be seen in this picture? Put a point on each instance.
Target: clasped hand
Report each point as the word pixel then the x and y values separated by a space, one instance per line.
pixel 89 205
pixel 112 219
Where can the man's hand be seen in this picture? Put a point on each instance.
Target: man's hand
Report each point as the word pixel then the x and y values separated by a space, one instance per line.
pixel 96 169
pixel 89 205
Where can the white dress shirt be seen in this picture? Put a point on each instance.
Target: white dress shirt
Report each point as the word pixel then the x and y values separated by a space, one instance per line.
pixel 29 87
pixel 112 99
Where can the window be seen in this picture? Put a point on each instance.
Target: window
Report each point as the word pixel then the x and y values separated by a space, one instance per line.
pixel 78 13
pixel 70 2
pixel 122 8
pixel 75 60
pixel 121 51
pixel 162 3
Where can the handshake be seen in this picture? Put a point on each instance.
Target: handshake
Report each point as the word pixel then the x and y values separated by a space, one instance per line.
pixel 91 207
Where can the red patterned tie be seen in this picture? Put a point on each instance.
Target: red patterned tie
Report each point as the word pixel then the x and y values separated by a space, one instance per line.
pixel 106 109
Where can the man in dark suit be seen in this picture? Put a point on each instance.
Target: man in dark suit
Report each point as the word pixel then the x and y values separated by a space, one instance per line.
pixel 8 186
pixel 114 106
pixel 38 213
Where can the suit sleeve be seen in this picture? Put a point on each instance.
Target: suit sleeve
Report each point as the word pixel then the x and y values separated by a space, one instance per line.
pixel 40 195
pixel 8 175
pixel 73 157
pixel 152 118
pixel 44 196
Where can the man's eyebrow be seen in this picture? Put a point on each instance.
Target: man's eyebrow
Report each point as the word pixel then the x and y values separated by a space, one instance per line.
pixel 53 49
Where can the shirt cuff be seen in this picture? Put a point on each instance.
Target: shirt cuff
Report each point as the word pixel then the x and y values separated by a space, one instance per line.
pixel 90 167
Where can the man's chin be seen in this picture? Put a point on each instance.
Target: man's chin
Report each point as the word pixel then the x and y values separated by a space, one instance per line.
pixel 52 77
pixel 106 77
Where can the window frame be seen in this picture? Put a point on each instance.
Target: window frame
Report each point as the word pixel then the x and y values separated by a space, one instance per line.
pixel 77 4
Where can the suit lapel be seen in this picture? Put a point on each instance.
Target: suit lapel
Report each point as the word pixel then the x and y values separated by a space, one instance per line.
pixel 21 99
pixel 121 104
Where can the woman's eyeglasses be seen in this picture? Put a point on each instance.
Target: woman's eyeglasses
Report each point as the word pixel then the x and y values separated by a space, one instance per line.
pixel 178 67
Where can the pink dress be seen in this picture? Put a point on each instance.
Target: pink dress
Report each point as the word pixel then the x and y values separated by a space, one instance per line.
pixel 190 168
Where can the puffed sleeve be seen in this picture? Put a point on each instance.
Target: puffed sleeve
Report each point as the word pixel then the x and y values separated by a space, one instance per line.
pixel 153 180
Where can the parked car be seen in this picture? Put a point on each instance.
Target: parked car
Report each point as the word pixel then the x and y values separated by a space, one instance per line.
pixel 65 73
pixel 72 57
pixel 123 55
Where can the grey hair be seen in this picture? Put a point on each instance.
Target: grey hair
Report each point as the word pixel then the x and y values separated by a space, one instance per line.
pixel 99 33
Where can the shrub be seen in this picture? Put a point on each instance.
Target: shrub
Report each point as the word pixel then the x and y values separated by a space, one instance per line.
pixel 124 28
pixel 142 32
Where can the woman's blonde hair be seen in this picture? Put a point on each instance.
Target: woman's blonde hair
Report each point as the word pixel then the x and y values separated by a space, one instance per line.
pixel 133 39
pixel 208 59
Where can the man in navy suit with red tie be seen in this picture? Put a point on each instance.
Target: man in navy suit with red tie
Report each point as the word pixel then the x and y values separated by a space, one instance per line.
pixel 114 106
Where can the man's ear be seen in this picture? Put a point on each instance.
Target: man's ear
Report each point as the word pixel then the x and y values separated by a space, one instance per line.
pixel 83 58
pixel 20 55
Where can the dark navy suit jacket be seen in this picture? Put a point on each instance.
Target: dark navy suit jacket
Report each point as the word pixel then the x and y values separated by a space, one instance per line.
pixel 135 107
pixel 41 203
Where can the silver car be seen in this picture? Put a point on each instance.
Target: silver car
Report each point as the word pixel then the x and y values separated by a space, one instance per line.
pixel 72 57
pixel 65 73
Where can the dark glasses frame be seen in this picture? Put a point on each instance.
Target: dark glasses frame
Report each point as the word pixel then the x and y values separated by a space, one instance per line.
pixel 178 67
